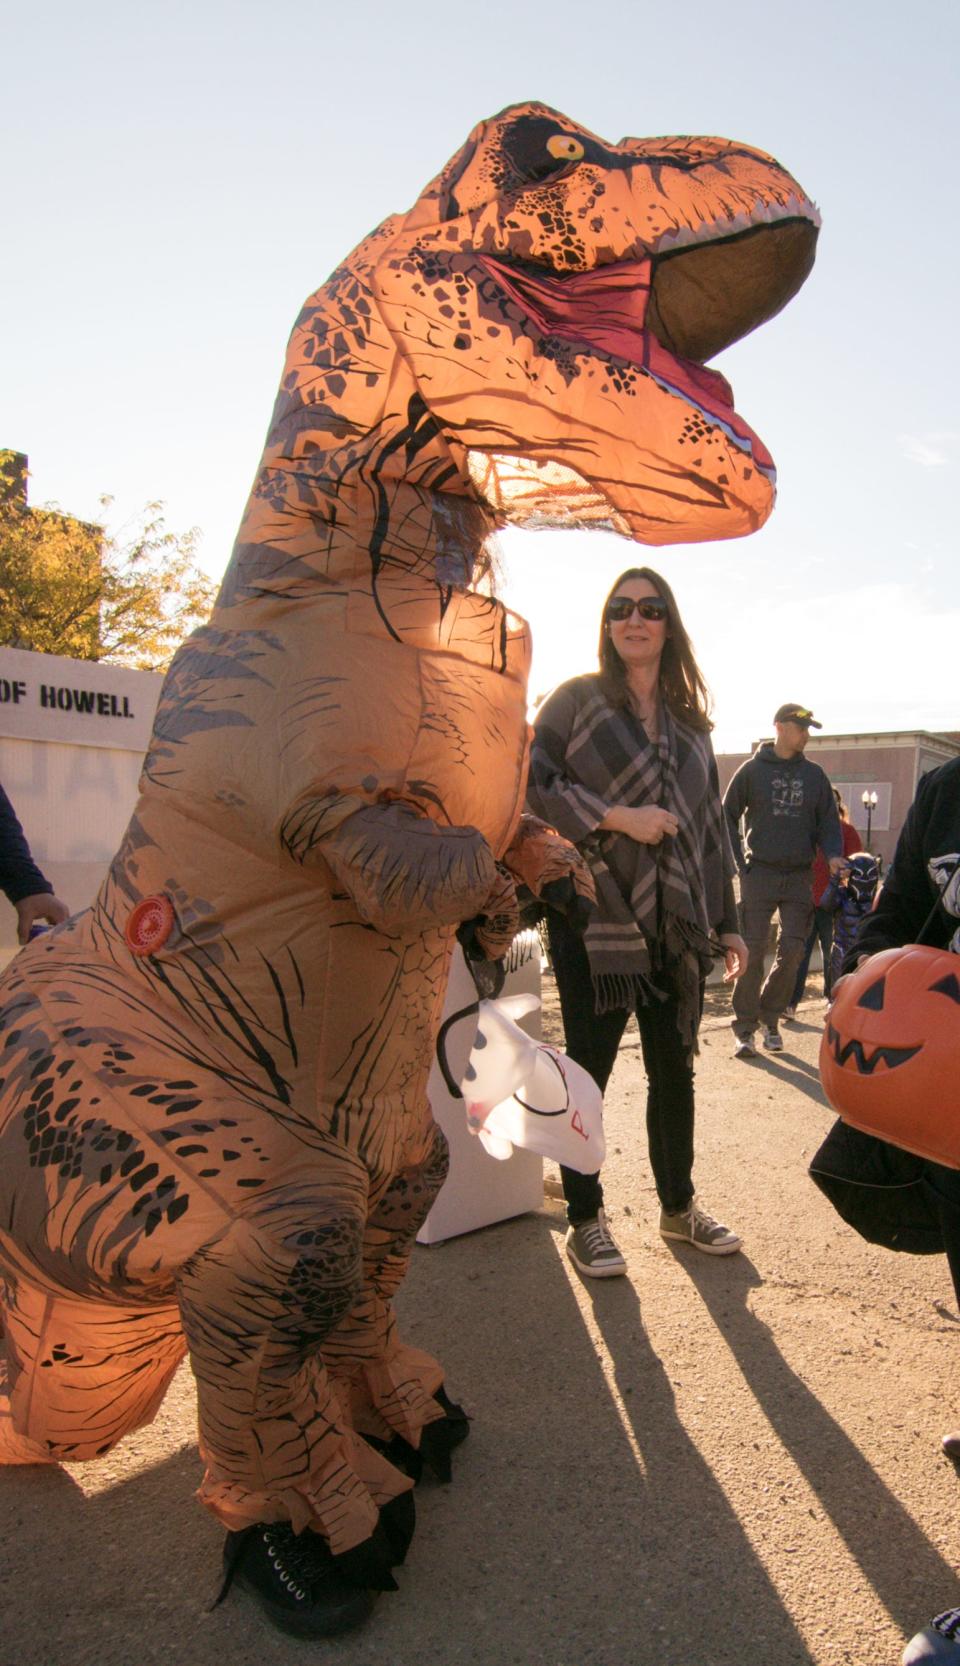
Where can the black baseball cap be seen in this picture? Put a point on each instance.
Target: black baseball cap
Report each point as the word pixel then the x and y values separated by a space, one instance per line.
pixel 792 713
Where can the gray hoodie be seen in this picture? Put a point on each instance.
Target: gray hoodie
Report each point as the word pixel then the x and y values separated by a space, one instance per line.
pixel 787 808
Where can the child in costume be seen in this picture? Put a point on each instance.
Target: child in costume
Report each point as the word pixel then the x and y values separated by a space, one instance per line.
pixel 850 896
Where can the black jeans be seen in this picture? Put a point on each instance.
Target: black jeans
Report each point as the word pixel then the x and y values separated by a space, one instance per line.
pixel 592 1040
pixel 821 930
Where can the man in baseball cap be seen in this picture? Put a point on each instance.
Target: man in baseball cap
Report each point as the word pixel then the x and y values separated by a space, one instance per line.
pixel 780 811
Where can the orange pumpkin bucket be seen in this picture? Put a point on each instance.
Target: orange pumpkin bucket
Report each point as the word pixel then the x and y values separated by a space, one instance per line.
pixel 890 1055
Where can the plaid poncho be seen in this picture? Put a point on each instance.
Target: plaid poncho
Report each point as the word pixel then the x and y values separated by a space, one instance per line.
pixel 660 907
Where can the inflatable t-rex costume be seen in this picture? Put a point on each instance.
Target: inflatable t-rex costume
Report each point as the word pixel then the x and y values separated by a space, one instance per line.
pixel 214 1130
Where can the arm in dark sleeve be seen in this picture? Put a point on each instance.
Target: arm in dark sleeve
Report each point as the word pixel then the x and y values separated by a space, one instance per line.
pixel 906 898
pixel 829 836
pixel 730 923
pixel 553 793
pixel 19 875
pixel 734 804
pixel 830 897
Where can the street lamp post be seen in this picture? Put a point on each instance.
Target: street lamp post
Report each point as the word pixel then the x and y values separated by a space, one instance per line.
pixel 869 802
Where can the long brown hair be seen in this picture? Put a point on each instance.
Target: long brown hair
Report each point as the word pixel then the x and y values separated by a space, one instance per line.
pixel 682 686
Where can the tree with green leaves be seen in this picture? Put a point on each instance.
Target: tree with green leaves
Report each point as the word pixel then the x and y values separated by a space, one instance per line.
pixel 128 596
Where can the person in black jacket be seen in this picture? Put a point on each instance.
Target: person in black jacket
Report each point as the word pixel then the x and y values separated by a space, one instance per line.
pixel 908 901
pixel 920 902
pixel 21 880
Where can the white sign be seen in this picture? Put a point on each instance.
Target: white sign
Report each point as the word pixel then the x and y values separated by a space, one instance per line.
pixel 82 702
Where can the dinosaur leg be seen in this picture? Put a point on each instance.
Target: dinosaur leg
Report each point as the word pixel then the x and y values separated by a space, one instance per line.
pixel 382 1007
pixel 76 1376
pixel 257 1306
pixel 386 1387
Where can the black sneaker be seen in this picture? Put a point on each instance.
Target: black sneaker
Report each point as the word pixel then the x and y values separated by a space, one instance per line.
pixel 296 1580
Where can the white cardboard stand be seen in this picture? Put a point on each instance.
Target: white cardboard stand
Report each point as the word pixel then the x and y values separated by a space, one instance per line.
pixel 479 1190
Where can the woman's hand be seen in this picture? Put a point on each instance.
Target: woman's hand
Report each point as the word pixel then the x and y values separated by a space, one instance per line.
pixel 647 825
pixel 735 956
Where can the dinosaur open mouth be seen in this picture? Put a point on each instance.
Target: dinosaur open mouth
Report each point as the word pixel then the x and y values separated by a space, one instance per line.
pixel 609 310
pixel 865 1063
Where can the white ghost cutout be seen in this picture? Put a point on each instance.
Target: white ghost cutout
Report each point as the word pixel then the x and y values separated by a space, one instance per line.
pixel 518 1091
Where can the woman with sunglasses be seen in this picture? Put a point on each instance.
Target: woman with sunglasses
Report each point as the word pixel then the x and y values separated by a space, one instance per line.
pixel 622 765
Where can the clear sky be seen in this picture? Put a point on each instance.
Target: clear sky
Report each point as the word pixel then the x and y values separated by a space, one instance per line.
pixel 179 176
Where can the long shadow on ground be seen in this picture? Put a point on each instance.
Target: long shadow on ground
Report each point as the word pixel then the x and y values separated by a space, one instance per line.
pixel 896 1557
pixel 610 1528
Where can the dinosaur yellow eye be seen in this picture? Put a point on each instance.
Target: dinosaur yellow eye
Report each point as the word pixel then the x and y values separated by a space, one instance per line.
pixel 565 147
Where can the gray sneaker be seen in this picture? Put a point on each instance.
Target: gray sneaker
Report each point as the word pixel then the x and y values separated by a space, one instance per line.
pixel 772 1039
pixel 744 1048
pixel 592 1249
pixel 936 1642
pixel 694 1226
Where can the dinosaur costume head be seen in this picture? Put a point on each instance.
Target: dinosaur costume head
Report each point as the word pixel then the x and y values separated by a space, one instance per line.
pixel 527 344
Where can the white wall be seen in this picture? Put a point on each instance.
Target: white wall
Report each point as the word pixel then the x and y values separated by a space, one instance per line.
pixel 71 773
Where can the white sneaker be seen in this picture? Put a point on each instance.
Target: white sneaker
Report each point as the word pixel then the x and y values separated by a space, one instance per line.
pixel 592 1250
pixel 772 1039
pixel 790 1014
pixel 744 1048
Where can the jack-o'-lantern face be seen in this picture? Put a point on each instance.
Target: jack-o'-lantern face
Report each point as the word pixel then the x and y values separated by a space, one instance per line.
pixel 890 1055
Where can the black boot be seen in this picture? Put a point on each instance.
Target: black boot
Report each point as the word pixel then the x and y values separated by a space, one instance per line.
pixel 398 1519
pixel 301 1587
pixel 437 1441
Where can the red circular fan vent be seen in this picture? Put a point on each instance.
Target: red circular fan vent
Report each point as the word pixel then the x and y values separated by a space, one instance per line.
pixel 150 925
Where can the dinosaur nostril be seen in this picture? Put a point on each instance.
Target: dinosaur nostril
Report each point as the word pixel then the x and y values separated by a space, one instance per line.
pixel 873 997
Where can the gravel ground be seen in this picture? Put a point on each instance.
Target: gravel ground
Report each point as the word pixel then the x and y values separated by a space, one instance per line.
pixel 708 1463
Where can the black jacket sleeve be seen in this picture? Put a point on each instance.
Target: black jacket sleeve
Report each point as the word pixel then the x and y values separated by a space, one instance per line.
pixel 906 909
pixel 19 875
pixel 734 804
pixel 829 836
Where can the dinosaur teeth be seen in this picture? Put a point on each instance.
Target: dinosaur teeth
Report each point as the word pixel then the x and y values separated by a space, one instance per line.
pixel 744 219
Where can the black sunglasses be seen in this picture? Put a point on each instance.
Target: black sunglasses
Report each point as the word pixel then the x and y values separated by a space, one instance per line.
pixel 651 608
